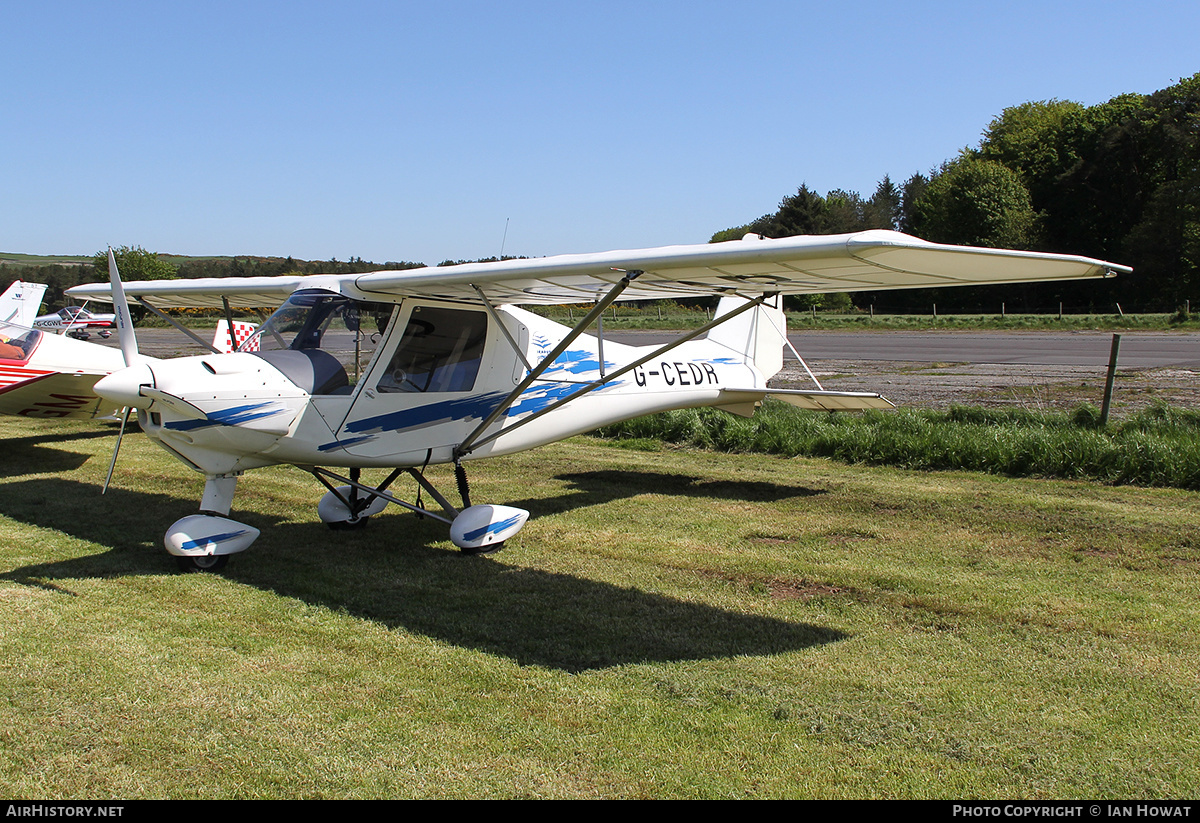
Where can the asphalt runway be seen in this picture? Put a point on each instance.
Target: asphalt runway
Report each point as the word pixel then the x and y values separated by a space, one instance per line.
pixel 1139 350
pixel 938 369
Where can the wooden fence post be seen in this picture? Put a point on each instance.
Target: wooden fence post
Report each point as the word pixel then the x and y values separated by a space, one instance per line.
pixel 1108 383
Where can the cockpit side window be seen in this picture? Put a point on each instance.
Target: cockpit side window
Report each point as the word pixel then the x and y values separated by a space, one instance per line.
pixel 440 351
pixel 17 343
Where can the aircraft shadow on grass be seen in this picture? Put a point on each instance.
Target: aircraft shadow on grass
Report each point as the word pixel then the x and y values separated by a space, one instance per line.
pixel 608 485
pixel 398 572
pixel 38 454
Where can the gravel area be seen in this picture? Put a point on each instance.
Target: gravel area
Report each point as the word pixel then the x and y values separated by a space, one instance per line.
pixel 940 385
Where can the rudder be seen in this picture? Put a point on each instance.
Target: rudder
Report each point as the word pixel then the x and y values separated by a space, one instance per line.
pixel 755 336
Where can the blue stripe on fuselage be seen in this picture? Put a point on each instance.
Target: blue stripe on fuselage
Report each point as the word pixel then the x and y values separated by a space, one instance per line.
pixel 233 416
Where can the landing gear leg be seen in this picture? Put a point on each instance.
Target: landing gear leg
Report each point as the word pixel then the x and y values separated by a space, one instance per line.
pixel 203 542
pixel 475 529
pixel 350 506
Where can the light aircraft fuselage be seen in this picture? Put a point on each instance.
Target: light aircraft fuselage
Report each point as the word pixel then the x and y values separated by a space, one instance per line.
pixel 50 376
pixel 77 322
pixel 384 385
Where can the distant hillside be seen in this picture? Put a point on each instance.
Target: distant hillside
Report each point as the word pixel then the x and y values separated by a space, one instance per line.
pixel 17 259
pixel 14 259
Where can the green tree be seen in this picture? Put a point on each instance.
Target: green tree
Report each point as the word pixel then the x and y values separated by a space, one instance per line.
pixel 804 212
pixel 845 212
pixel 736 233
pixel 1038 140
pixel 884 209
pixel 910 194
pixel 134 263
pixel 801 213
pixel 975 202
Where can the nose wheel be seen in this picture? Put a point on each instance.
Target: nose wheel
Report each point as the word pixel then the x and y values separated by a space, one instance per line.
pixel 203 563
pixel 203 542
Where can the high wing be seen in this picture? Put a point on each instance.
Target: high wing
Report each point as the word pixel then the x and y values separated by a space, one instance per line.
pixel 864 261
pixel 207 293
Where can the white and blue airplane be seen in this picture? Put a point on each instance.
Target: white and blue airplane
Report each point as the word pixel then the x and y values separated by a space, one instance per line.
pixel 399 370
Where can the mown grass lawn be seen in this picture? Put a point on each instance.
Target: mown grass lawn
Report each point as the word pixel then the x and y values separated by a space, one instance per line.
pixel 672 623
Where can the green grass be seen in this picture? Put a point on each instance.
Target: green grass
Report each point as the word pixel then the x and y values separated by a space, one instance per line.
pixel 1156 447
pixel 672 623
pixel 12 258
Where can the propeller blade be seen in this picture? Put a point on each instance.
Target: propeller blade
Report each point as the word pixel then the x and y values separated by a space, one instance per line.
pixel 116 449
pixel 125 333
pixel 129 349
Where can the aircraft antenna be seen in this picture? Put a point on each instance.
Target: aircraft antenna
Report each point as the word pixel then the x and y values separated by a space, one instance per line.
pixel 504 239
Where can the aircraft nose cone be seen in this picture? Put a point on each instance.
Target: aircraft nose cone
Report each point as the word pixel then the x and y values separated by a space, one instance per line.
pixel 123 387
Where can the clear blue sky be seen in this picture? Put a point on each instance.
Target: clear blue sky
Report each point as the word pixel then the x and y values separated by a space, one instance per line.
pixel 416 130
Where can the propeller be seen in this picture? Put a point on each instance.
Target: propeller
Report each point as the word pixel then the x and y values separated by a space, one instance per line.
pixel 129 350
pixel 125 334
pixel 112 464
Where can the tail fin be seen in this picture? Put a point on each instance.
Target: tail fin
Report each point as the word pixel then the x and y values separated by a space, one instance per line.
pixel 226 343
pixel 20 303
pixel 755 336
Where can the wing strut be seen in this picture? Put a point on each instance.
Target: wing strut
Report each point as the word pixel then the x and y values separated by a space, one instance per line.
pixel 172 321
pixel 487 304
pixel 788 343
pixel 233 345
pixel 470 444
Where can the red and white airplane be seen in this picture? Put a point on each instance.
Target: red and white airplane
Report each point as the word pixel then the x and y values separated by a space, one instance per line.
pixel 77 322
pixel 47 375
pixel 50 376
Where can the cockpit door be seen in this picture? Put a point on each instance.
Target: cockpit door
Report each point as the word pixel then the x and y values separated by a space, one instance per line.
pixel 443 368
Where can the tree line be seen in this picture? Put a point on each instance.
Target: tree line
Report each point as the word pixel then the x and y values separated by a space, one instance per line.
pixel 136 263
pixel 1118 181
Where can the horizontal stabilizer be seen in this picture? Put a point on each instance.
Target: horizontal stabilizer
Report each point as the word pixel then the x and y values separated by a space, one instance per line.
pixel 815 400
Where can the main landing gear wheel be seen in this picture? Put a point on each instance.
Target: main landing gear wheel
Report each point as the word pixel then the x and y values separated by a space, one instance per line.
pixel 202 563
pixel 348 525
pixel 336 514
pixel 483 529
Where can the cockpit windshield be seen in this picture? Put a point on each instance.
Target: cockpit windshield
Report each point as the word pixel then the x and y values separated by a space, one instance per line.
pixel 323 326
